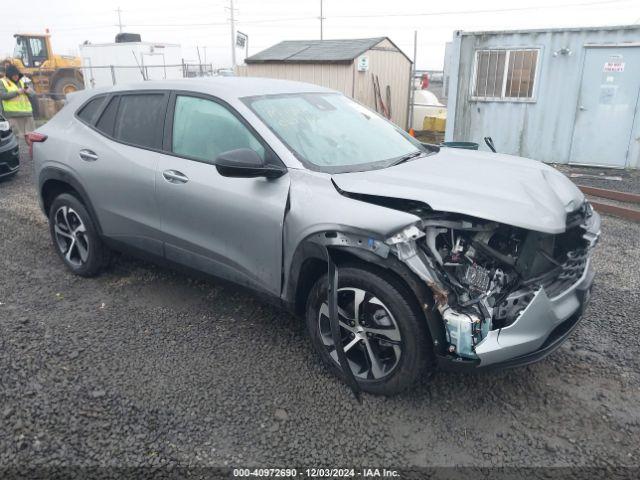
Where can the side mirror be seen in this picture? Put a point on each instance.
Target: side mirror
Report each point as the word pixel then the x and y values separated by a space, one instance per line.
pixel 245 163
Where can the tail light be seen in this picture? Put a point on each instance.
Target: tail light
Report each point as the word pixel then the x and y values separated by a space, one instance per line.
pixel 34 137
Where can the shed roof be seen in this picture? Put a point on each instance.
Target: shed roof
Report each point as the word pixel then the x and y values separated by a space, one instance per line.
pixel 316 51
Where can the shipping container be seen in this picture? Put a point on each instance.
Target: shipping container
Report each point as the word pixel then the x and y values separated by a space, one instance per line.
pixel 557 95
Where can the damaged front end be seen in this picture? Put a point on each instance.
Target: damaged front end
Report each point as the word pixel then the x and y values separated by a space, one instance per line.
pixel 505 295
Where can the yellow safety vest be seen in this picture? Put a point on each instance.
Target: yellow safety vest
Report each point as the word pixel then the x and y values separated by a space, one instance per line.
pixel 19 103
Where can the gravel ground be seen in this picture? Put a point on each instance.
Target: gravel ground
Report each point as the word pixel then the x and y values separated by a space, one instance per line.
pixel 143 366
pixel 596 177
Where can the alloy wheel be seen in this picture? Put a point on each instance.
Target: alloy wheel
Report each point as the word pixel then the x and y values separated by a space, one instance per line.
pixel 71 236
pixel 370 335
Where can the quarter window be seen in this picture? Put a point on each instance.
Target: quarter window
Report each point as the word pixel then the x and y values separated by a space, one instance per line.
pixel 203 129
pixel 140 119
pixel 107 119
pixel 88 112
pixel 505 74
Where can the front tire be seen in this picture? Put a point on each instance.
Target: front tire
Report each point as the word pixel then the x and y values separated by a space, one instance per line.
pixel 75 236
pixel 66 85
pixel 383 331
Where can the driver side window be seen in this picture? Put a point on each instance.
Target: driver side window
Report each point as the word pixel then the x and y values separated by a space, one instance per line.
pixel 203 129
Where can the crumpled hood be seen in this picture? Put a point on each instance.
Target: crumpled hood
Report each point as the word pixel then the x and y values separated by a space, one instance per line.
pixel 503 188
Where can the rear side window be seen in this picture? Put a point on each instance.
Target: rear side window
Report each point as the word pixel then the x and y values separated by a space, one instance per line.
pixel 107 119
pixel 88 112
pixel 140 119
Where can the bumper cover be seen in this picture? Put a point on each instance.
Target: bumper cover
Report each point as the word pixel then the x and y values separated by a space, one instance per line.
pixel 540 328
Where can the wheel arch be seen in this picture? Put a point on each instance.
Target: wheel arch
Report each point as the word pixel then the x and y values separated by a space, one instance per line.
pixel 54 181
pixel 309 263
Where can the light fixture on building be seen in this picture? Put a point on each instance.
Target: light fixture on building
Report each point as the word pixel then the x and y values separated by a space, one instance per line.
pixel 563 51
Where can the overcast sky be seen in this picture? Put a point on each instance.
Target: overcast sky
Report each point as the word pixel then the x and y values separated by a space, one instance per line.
pixel 203 23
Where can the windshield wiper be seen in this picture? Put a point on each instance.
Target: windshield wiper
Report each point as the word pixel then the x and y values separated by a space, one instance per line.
pixel 407 157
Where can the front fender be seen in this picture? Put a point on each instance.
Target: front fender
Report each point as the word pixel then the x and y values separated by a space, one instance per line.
pixel 319 217
pixel 316 207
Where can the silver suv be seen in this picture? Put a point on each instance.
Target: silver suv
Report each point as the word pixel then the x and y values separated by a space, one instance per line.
pixel 402 257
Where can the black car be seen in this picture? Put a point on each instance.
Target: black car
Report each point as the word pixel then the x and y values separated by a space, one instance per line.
pixel 9 153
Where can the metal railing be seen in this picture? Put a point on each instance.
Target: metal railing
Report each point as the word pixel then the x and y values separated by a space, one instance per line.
pixel 109 75
pixel 50 84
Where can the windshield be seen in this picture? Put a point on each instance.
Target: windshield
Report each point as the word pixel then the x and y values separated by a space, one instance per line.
pixel 329 132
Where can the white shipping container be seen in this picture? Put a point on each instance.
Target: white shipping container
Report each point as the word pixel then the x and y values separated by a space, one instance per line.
pixel 106 64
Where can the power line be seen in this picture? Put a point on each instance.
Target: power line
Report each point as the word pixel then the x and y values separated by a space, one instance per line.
pixel 382 15
pixel 292 19
pixel 281 19
pixel 209 24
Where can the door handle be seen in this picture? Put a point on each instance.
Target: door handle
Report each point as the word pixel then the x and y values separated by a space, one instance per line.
pixel 174 176
pixel 88 155
pixel 582 108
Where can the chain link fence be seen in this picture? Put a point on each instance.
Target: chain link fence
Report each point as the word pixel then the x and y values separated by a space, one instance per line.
pixel 51 87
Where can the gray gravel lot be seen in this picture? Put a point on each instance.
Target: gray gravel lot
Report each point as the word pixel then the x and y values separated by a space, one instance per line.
pixel 629 180
pixel 143 366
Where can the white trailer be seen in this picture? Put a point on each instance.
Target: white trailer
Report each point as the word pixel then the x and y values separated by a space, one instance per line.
pixel 109 64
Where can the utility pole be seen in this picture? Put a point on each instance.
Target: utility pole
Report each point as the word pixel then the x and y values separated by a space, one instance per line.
pixel 321 21
pixel 412 93
pixel 119 19
pixel 233 35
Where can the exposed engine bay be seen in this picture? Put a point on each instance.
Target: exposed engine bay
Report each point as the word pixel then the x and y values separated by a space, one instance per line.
pixel 484 274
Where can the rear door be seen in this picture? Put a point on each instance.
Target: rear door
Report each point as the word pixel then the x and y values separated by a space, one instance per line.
pixel 117 155
pixel 229 227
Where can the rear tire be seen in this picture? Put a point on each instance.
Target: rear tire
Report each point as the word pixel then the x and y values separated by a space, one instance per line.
pixel 390 326
pixel 75 236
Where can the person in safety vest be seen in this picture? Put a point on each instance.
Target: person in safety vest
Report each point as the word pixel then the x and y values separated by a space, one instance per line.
pixel 16 106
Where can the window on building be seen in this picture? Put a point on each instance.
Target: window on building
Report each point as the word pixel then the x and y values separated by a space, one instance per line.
pixel 505 74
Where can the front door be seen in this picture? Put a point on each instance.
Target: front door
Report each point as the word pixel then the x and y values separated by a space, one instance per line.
pixel 607 107
pixel 229 227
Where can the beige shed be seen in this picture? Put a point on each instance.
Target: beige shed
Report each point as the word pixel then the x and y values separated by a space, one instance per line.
pixel 373 71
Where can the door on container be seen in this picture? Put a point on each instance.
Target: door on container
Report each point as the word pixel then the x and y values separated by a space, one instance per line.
pixel 607 106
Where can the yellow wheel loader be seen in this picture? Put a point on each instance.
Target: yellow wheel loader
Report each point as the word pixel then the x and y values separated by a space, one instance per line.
pixel 52 74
